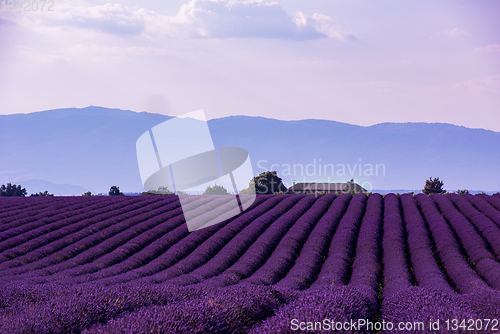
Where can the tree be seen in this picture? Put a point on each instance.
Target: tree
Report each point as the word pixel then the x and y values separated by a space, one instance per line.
pixel 267 183
pixel 433 186
pixel 462 192
pixel 12 190
pixel 162 190
pixel 215 190
pixel 45 193
pixel 247 191
pixel 88 193
pixel 115 191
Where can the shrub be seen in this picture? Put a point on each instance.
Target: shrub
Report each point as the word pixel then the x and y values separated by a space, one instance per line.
pixel 433 186
pixel 215 190
pixel 45 193
pixel 12 190
pixel 115 191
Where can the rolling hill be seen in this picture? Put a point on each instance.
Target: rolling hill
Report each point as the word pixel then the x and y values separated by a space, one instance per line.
pixel 94 148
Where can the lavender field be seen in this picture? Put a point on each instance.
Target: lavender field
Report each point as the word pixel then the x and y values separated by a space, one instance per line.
pixel 120 264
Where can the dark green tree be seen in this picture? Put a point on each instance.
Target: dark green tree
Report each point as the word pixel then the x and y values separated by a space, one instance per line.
pixel 45 193
pixel 215 190
pixel 12 190
pixel 267 183
pixel 462 191
pixel 88 193
pixel 115 191
pixel 433 186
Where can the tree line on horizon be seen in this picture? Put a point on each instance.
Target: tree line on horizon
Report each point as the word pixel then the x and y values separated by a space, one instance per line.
pixel 266 183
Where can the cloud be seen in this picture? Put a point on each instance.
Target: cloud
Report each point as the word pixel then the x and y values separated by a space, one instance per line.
pixel 224 19
pixel 491 80
pixel 455 32
pixel 322 24
pixel 113 19
pixel 252 19
pixel 488 48
pixel 86 53
pixel 5 22
pixel 488 86
pixel 199 19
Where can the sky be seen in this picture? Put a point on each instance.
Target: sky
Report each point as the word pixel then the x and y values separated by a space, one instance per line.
pixel 362 62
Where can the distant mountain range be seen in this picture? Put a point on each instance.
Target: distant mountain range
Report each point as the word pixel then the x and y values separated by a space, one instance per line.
pixel 69 151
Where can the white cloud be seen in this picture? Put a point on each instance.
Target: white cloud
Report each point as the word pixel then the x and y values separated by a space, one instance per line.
pixel 321 23
pixel 491 80
pixel 253 19
pixel 455 32
pixel 86 53
pixel 487 86
pixel 5 22
pixel 109 18
pixel 197 18
pixel 488 48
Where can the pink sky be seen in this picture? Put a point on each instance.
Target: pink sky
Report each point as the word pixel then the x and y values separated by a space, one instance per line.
pixel 360 62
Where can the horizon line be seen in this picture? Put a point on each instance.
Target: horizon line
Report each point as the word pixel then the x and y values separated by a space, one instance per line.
pixel 252 116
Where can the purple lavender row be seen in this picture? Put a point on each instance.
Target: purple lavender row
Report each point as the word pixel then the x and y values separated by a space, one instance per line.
pixel 21 204
pixel 216 214
pixel 367 267
pixel 30 223
pixel 30 208
pixel 56 232
pixel 189 243
pixel 227 310
pixel 475 247
pixel 153 243
pixel 449 249
pixel 90 226
pixel 204 263
pixel 493 200
pixel 262 248
pixel 74 308
pixel 485 207
pixel 486 227
pixel 428 306
pixel 109 225
pixel 395 251
pixel 99 243
pixel 284 256
pixel 29 215
pixel 121 246
pixel 58 221
pixel 337 304
pixel 341 303
pixel 111 231
pixel 421 245
pixel 358 299
pixel 308 264
pixel 336 268
pixel 10 204
pixel 433 298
